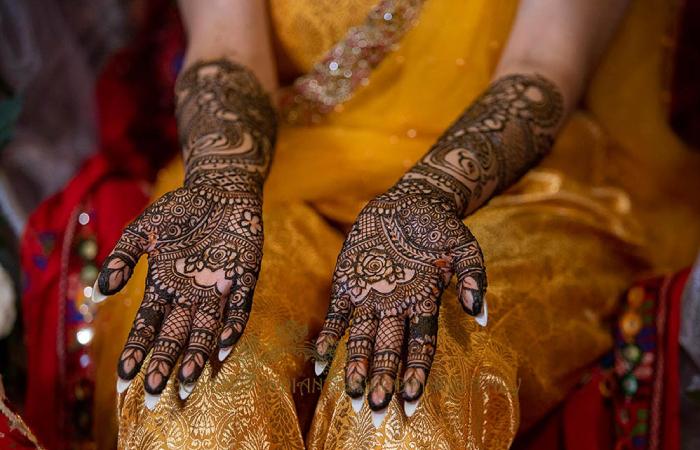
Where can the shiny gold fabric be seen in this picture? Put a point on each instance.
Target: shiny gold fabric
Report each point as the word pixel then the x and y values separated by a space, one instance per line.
pixel 306 29
pixel 616 197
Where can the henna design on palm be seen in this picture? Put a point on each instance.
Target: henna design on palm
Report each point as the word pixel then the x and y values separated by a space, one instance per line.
pixel 204 240
pixel 407 243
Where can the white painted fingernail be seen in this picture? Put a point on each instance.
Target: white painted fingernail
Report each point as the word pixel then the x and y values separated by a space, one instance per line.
pixel 483 316
pixel 97 295
pixel 224 352
pixel 151 401
pixel 357 403
pixel 122 384
pixel 319 367
pixel 410 407
pixel 185 390
pixel 378 417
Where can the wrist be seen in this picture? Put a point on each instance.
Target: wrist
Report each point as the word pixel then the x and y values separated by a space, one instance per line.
pixel 416 188
pixel 229 185
pixel 227 127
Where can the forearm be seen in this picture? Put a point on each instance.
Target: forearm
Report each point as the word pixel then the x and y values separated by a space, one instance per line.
pixel 505 132
pixel 552 49
pixel 226 118
pixel 227 127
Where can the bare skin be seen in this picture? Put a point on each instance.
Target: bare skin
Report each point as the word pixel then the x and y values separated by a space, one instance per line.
pixel 405 245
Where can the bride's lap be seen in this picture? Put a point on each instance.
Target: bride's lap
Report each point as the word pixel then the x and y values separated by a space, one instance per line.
pixel 555 270
pixel 249 399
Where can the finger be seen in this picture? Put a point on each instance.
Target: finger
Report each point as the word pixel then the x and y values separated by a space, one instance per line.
pixel 143 332
pixel 334 327
pixel 119 265
pixel 422 341
pixel 168 347
pixel 236 313
pixel 205 327
pixel 385 362
pixel 471 277
pixel 360 343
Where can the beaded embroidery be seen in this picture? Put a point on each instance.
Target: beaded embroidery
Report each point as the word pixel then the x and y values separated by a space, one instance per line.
pixel 349 63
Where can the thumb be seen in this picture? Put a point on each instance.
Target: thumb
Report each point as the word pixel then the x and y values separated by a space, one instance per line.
pixel 468 264
pixel 119 265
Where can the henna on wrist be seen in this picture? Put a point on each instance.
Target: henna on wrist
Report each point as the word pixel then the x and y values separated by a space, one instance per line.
pixel 407 243
pixel 227 128
pixel 203 240
pixel 503 134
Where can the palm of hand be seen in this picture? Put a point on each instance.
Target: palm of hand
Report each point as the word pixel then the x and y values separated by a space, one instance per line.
pixel 395 263
pixel 200 253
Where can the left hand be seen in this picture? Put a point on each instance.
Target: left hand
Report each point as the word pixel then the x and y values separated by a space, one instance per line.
pixel 394 266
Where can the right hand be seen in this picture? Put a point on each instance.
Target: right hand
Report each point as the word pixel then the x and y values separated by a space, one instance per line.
pixel 203 250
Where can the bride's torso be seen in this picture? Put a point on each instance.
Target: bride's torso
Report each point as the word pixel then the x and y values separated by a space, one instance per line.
pixel 620 137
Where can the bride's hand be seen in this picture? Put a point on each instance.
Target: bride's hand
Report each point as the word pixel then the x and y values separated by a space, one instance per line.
pixel 203 251
pixel 398 258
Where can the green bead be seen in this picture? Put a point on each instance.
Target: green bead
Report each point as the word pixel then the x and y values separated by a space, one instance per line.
pixel 88 249
pixel 632 353
pixel 88 274
pixel 630 385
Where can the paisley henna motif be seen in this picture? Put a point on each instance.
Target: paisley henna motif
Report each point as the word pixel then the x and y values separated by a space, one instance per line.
pixel 505 132
pixel 407 243
pixel 204 240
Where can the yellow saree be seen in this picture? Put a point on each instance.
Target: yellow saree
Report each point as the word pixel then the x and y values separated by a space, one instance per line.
pixel 560 246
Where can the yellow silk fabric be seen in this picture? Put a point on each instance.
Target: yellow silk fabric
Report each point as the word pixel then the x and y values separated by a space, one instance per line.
pixel 615 197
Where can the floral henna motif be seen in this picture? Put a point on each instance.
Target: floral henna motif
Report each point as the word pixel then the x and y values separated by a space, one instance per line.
pixel 390 275
pixel 407 243
pixel 204 240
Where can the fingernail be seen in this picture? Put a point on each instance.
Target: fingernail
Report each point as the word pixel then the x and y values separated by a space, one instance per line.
pixel 410 407
pixel 185 390
pixel 378 417
pixel 97 295
pixel 483 317
pixel 357 403
pixel 122 384
pixel 151 401
pixel 224 352
pixel 319 367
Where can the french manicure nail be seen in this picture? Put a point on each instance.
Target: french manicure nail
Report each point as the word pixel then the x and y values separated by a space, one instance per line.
pixel 122 385
pixel 357 403
pixel 224 352
pixel 319 367
pixel 378 417
pixel 151 401
pixel 483 317
pixel 410 407
pixel 185 390
pixel 97 295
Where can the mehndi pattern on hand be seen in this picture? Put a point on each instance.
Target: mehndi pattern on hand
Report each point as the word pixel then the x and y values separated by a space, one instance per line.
pixel 406 244
pixel 390 275
pixel 204 240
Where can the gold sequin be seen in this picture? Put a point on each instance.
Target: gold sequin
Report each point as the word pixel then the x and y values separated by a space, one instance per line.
pixel 630 324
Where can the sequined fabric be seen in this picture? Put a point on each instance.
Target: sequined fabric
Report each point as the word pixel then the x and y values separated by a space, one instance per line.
pixel 349 63
pixel 560 248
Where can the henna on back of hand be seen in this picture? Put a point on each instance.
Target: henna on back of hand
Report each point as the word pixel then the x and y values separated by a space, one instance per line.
pixel 203 240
